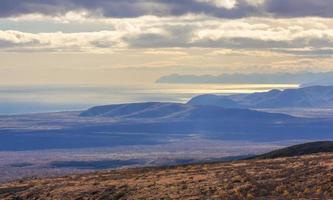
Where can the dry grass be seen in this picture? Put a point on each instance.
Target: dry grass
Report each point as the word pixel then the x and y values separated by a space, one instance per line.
pixel 307 177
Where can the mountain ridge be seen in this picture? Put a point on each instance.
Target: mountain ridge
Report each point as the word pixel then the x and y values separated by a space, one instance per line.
pixel 157 110
pixel 307 97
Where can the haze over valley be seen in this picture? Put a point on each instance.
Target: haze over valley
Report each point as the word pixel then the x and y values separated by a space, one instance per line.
pixel 181 99
pixel 156 133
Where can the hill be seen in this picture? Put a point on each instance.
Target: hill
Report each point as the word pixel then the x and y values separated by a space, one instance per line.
pixel 307 97
pixel 305 177
pixel 173 111
pixel 215 100
pixel 137 110
pixel 298 150
pixel 154 123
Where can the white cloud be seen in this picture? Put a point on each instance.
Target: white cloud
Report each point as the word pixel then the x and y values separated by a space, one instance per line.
pixel 63 41
pixel 248 52
pixel 166 52
pixel 71 16
pixel 228 4
pixel 176 32
pixel 255 2
pixel 79 41
pixel 265 30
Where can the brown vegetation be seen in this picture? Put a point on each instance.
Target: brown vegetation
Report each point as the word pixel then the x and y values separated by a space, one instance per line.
pixel 306 177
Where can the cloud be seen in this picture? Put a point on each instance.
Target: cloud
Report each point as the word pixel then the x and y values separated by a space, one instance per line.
pixel 190 31
pixel 126 8
pixel 228 4
pixel 249 33
pixel 308 51
pixel 255 2
pixel 254 53
pixel 94 41
pixel 166 52
pixel 283 30
pixel 299 8
pixel 59 41
pixel 136 8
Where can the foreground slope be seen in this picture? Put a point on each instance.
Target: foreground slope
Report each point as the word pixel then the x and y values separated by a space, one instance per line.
pixel 306 177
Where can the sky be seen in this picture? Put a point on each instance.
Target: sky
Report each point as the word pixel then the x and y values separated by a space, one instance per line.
pixel 117 42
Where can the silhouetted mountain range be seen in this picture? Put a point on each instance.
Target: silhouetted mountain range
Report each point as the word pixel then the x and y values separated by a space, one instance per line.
pixel 307 97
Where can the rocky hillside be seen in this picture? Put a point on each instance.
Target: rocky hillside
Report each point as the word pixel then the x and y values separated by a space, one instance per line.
pixel 306 177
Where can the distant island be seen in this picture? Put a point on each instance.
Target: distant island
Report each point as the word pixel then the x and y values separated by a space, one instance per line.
pixel 302 78
pixel 307 97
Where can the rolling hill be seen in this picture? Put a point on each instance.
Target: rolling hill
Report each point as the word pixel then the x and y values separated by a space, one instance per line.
pixel 299 150
pixel 177 111
pixel 154 123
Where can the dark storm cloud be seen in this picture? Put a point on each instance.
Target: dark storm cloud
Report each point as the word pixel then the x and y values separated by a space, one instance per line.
pixel 122 8
pixel 297 8
pixel 135 8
